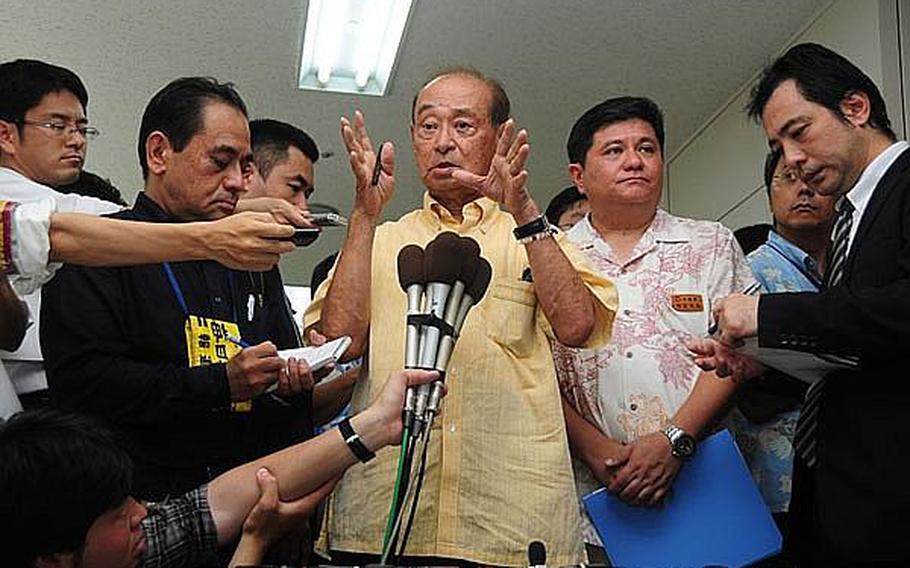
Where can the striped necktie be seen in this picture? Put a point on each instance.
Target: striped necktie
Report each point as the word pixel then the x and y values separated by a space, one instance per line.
pixel 804 438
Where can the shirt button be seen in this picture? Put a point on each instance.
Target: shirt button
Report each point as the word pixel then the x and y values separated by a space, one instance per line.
pixel 627 312
pixel 217 299
pixel 633 407
pixel 628 354
pixel 452 428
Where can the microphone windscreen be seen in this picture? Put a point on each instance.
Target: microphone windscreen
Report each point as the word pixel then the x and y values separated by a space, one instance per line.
pixel 470 257
pixel 478 287
pixel 410 266
pixel 441 260
pixel 537 554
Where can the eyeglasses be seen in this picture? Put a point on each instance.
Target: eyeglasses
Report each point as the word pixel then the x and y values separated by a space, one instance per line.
pixel 787 177
pixel 61 129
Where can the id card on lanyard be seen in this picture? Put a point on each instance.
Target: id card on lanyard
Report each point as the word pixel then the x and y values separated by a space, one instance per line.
pixel 207 338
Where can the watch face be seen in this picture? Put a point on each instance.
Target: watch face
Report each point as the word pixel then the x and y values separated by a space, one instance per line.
pixel 684 446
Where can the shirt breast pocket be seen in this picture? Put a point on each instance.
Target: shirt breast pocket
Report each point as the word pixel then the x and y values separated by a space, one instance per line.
pixel 509 316
pixel 684 318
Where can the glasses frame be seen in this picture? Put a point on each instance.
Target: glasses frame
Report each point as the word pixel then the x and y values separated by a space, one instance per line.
pixel 62 130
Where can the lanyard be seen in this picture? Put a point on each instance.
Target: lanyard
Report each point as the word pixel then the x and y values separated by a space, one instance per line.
pixel 175 286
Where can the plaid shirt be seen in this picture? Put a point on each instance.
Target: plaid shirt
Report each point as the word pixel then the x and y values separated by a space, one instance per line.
pixel 181 532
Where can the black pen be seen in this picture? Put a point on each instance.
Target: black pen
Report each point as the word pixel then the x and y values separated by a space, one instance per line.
pixel 377 168
pixel 750 290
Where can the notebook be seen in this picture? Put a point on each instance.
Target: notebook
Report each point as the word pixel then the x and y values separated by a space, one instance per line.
pixel 318 357
pixel 714 516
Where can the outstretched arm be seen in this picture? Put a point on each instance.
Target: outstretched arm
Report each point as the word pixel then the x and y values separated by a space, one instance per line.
pixel 246 241
pixel 303 468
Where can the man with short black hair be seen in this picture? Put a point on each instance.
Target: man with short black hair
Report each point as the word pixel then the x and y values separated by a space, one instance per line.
pixel 176 355
pixel 44 134
pixel 635 407
pixel 283 159
pixel 567 208
pixel 791 259
pixel 850 504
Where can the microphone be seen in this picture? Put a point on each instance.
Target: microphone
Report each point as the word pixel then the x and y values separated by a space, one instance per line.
pixel 411 279
pixel 472 295
pixel 469 253
pixel 441 264
pixel 537 554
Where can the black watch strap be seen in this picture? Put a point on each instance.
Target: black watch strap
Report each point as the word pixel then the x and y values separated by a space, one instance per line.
pixel 352 439
pixel 538 225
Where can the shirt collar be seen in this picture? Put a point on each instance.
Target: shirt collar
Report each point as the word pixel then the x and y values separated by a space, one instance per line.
pixel 664 228
pixel 477 213
pixel 793 253
pixel 861 193
pixel 146 208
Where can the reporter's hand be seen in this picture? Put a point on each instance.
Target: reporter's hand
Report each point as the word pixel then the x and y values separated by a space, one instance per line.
pixel 271 518
pixel 648 471
pixel 295 377
pixel 316 339
pixel 737 318
pixel 253 370
pixel 281 210
pixel 245 241
pixel 712 355
pixel 369 199
pixel 382 419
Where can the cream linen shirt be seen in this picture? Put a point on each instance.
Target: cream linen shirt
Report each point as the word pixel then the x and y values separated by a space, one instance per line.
pixel 499 474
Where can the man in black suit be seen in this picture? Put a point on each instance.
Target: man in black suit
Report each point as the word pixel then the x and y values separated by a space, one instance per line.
pixel 851 504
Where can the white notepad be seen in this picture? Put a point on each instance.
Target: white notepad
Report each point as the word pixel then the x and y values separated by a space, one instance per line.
pixel 318 357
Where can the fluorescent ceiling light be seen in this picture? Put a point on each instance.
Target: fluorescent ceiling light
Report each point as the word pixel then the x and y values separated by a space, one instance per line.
pixel 351 46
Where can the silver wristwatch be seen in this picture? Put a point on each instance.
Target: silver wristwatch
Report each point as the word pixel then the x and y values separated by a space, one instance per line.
pixel 681 443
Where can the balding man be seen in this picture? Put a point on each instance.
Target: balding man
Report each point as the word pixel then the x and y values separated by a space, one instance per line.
pixel 498 473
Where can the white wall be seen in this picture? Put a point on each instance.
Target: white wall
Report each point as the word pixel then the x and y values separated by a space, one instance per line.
pixel 717 174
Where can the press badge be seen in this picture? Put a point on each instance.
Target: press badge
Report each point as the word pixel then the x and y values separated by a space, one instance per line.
pixel 207 343
pixel 687 302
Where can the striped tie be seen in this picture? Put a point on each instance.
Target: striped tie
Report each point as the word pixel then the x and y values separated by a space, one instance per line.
pixel 804 438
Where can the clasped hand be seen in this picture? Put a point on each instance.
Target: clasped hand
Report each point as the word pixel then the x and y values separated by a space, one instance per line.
pixel 642 472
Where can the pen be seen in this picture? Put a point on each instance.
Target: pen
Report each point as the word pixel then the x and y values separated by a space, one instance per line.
pixel 236 340
pixel 377 167
pixel 750 290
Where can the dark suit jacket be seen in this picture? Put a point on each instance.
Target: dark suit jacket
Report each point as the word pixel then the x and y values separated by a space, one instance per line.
pixel 860 498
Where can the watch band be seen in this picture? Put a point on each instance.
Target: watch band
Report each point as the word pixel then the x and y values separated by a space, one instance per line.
pixel 536 236
pixel 538 226
pixel 352 439
pixel 682 444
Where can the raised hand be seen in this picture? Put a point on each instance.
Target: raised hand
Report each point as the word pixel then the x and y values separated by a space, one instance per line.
pixel 507 179
pixel 369 198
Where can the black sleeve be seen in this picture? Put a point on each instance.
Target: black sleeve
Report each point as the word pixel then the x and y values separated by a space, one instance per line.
pixel 839 320
pixel 98 359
